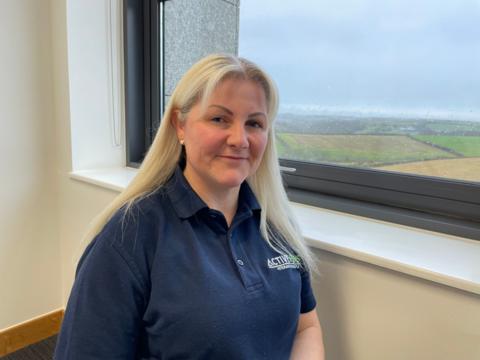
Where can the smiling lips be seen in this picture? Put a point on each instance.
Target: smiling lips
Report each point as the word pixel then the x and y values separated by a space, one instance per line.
pixel 232 157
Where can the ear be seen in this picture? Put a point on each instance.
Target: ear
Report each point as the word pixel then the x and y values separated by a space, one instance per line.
pixel 178 124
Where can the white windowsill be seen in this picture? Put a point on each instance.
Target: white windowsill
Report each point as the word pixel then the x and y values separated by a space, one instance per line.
pixel 440 258
pixel 111 178
pixel 437 257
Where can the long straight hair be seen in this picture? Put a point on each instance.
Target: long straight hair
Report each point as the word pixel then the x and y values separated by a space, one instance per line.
pixel 277 223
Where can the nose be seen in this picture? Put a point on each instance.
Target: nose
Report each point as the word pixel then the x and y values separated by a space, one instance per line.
pixel 238 136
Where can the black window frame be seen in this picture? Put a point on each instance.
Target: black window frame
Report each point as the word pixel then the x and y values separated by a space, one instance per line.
pixel 442 205
pixel 144 73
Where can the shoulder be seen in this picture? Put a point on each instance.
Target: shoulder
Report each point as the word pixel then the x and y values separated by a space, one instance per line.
pixel 141 220
pixel 133 234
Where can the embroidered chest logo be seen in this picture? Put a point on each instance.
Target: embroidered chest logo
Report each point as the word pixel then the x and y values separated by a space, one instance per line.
pixel 284 262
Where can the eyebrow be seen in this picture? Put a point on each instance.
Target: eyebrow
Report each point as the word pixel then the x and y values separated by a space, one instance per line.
pixel 228 111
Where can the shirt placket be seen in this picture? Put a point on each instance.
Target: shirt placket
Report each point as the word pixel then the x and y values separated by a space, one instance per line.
pixel 250 278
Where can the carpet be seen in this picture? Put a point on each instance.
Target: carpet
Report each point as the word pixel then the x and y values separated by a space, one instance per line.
pixel 42 350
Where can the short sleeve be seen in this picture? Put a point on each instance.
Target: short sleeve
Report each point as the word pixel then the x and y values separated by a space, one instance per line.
pixel 103 315
pixel 308 301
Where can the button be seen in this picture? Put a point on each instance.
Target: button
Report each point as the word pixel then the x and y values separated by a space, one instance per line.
pixel 240 262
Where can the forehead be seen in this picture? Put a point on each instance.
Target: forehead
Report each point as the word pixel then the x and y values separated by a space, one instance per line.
pixel 239 92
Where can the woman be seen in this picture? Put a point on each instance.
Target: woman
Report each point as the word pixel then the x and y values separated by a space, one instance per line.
pixel 199 257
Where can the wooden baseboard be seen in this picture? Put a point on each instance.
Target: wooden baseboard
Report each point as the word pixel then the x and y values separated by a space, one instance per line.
pixel 30 332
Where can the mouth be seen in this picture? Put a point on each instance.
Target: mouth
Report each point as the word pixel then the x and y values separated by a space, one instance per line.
pixel 233 157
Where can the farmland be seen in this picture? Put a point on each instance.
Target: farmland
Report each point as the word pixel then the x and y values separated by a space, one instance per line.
pixel 460 168
pixel 357 150
pixel 430 147
pixel 468 146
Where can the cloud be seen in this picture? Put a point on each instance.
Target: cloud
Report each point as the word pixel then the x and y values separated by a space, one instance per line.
pixel 391 52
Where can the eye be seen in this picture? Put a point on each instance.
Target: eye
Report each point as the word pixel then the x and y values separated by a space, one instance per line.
pixel 256 123
pixel 217 119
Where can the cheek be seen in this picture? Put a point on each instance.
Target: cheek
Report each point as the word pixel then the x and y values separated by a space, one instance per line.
pixel 203 143
pixel 259 145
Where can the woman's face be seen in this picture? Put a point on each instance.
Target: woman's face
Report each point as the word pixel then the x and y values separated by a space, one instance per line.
pixel 225 142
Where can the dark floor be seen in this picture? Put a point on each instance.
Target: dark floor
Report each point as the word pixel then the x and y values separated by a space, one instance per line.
pixel 42 350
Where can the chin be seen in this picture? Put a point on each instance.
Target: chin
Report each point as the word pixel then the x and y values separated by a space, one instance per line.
pixel 232 181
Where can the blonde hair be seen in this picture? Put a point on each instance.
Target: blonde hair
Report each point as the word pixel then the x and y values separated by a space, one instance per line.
pixel 277 225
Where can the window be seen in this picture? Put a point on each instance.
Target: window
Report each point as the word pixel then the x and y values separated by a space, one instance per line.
pixel 379 113
pixel 379 108
pixel 144 90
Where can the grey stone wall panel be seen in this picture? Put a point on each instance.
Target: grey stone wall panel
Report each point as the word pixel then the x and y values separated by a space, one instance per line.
pixel 194 29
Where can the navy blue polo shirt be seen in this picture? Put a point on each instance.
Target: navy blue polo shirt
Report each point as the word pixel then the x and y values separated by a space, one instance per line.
pixel 171 280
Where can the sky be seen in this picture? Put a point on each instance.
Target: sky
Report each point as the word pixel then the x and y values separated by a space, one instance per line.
pixel 419 56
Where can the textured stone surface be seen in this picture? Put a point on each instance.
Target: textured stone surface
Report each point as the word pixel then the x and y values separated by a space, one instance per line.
pixel 233 2
pixel 194 29
pixel 167 99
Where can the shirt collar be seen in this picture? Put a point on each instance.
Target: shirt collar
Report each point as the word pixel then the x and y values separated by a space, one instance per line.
pixel 187 203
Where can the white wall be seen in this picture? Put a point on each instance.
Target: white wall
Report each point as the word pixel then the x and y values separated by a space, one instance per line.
pixel 367 312
pixel 29 245
pixel 78 202
pixel 370 313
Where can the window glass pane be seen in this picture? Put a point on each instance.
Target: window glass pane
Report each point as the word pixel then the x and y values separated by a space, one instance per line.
pixel 391 85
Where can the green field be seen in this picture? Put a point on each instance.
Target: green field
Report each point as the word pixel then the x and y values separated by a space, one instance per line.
pixel 453 127
pixel 357 150
pixel 468 146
